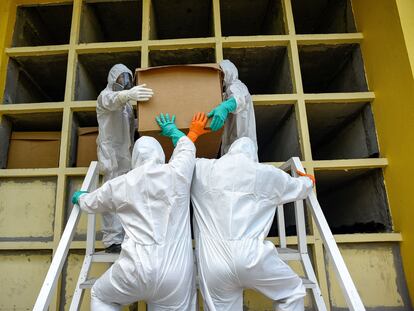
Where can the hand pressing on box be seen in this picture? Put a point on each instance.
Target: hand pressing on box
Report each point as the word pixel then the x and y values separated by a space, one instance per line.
pixel 197 126
pixel 137 93
pixel 168 127
pixel 221 112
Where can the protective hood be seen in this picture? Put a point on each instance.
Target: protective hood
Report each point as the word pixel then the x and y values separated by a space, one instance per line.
pixel 244 146
pixel 114 73
pixel 230 71
pixel 147 149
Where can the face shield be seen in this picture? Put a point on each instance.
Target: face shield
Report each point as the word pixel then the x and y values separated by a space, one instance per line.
pixel 123 82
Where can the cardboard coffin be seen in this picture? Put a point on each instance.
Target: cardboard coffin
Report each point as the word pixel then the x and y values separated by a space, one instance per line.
pixel 34 150
pixel 87 147
pixel 181 90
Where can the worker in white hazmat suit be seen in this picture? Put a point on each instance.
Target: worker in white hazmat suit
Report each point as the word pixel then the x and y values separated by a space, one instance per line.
pixel 235 200
pixel 116 136
pixel 236 113
pixel 156 263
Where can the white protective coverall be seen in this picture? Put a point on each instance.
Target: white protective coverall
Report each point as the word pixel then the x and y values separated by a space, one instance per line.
pixel 156 263
pixel 241 122
pixel 235 200
pixel 116 136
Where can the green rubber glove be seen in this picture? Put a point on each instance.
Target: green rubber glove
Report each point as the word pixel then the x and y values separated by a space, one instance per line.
pixel 221 112
pixel 168 128
pixel 77 195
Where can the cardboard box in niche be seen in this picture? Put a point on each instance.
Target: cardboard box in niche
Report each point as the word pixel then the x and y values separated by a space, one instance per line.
pixel 87 147
pixel 181 90
pixel 34 150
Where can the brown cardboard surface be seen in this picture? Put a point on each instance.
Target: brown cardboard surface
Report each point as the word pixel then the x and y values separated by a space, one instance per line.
pixel 34 150
pixel 36 135
pixel 208 146
pixel 87 130
pixel 86 146
pixel 206 65
pixel 181 90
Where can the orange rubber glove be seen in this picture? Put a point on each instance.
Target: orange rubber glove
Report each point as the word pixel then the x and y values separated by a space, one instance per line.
pixel 311 177
pixel 197 126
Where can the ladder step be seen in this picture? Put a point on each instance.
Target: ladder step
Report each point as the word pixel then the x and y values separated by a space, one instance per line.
pixel 104 257
pixel 308 283
pixel 88 283
pixel 288 254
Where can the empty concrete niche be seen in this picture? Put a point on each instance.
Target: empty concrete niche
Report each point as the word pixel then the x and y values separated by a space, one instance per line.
pixel 74 183
pixel 323 16
pixel 290 222
pixel 249 18
pixel 110 21
pixel 354 201
pixel 35 79
pixel 92 71
pixel 181 57
pixel 181 19
pixel 18 129
pixel 332 68
pixel 265 70
pixel 25 214
pixel 342 131
pixel 42 25
pixel 277 133
pixel 84 132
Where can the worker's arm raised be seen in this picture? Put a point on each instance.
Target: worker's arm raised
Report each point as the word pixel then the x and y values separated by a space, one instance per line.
pixel 221 112
pixel 183 158
pixel 241 95
pixel 112 101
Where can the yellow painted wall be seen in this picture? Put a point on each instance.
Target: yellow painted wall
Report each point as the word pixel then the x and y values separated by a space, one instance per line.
pixel 406 12
pixel 370 264
pixel 5 23
pixel 389 74
pixel 20 272
pixel 20 199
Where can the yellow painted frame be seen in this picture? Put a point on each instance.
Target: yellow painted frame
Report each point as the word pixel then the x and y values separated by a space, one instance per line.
pixel 291 40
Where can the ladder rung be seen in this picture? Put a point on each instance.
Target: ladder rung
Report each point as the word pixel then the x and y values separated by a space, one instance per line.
pixel 308 283
pixel 288 254
pixel 104 257
pixel 88 283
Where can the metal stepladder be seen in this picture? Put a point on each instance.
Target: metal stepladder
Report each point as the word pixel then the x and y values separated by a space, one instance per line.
pixel 300 254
